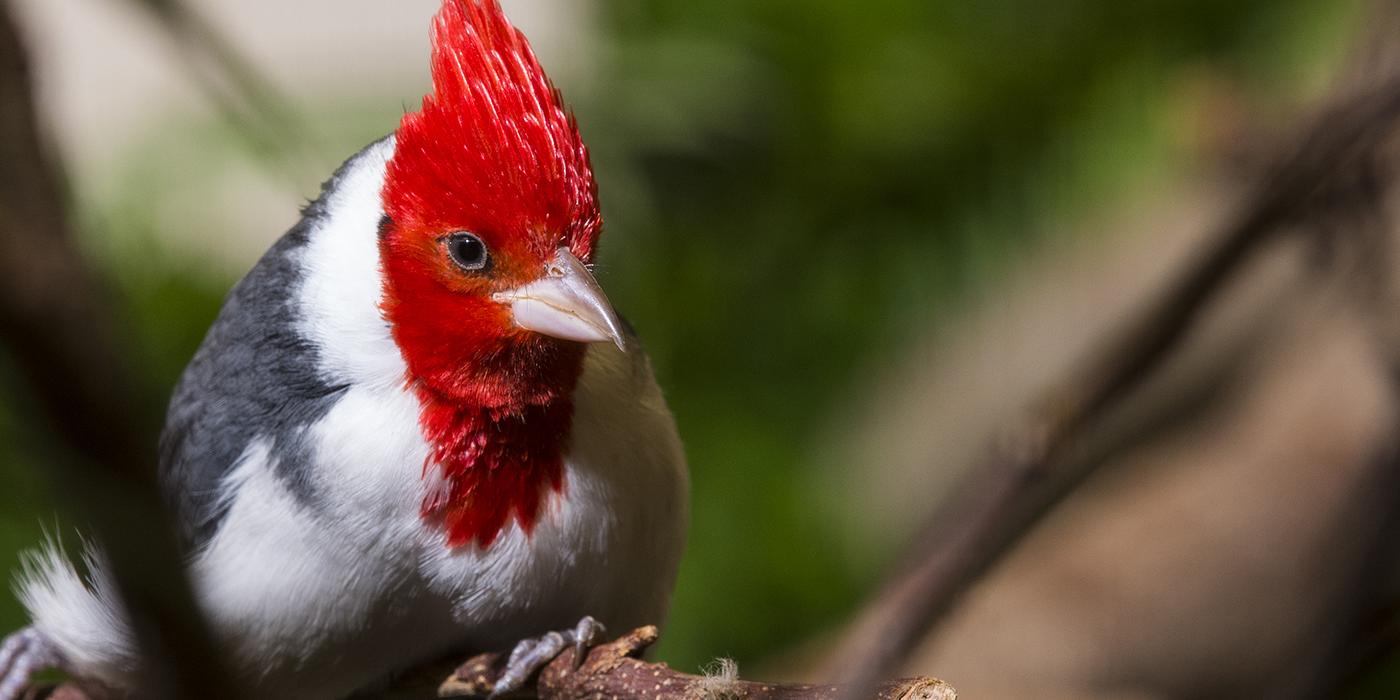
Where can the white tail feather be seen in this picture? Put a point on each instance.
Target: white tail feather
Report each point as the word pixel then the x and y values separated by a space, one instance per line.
pixel 82 618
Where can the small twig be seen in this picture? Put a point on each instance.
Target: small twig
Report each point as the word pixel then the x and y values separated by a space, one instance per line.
pixel 1024 475
pixel 614 670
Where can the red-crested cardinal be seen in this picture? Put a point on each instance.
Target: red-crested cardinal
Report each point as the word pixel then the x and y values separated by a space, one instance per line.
pixel 417 426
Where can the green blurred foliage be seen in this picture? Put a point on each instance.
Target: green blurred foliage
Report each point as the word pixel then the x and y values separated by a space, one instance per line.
pixel 793 190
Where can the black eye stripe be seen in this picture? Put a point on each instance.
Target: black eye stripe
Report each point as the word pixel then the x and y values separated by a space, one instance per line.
pixel 468 251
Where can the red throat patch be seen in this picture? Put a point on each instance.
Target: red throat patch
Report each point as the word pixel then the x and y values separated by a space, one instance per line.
pixel 492 466
pixel 494 152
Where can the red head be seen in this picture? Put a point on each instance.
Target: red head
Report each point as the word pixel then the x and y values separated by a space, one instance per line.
pixel 492 214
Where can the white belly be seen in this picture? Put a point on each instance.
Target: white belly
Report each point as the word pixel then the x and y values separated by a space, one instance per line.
pixel 334 596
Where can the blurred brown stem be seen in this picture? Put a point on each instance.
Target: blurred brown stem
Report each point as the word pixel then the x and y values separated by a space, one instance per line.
pixel 61 334
pixel 246 98
pixel 1025 474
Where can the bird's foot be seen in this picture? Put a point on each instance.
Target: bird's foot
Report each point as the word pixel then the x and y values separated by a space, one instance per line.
pixel 531 655
pixel 23 654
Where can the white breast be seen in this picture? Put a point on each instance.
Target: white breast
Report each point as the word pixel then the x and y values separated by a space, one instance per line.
pixel 357 581
pixel 622 515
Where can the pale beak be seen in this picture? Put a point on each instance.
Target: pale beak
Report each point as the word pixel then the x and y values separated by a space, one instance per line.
pixel 565 303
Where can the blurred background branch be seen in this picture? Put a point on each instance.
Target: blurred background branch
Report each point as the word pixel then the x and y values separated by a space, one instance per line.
pixel 247 99
pixel 60 336
pixel 1027 471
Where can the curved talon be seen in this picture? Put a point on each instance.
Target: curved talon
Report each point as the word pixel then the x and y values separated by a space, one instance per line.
pixel 587 633
pixel 11 648
pixel 522 648
pixel 531 655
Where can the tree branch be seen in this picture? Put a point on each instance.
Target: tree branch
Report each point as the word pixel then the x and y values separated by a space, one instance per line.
pixel 614 670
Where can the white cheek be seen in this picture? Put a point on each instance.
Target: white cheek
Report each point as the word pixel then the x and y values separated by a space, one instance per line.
pixel 343 285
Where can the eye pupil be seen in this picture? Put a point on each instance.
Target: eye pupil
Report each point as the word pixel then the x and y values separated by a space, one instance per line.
pixel 467 251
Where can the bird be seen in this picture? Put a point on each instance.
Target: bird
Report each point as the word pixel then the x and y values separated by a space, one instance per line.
pixel 417 426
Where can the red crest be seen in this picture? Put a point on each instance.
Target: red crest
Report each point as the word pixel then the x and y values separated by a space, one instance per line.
pixel 493 149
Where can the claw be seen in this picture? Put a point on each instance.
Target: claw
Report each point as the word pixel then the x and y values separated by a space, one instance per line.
pixel 11 647
pixel 587 633
pixel 530 655
pixel 23 654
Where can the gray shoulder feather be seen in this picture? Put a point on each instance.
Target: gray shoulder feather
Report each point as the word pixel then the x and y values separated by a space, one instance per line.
pixel 254 376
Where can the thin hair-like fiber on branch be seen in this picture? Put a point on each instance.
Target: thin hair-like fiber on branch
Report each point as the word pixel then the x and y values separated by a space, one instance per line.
pixel 720 680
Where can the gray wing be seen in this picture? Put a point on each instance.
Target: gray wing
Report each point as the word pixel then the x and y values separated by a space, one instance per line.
pixel 254 376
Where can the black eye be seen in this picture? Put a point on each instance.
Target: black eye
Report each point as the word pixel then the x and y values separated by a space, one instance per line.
pixel 468 251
